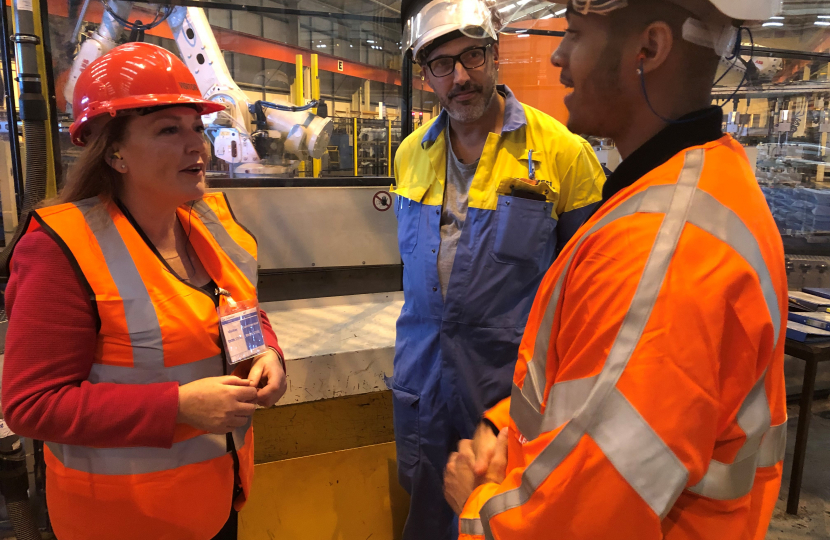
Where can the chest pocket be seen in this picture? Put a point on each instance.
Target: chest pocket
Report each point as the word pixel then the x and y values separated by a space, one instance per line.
pixel 523 231
pixel 409 220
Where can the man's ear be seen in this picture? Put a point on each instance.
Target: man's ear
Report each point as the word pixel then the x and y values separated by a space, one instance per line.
pixel 656 43
pixel 496 52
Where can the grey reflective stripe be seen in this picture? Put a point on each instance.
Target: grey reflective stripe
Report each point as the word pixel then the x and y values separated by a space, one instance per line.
pixel 535 381
pixel 754 418
pixel 471 527
pixel 241 258
pixel 773 446
pixel 239 433
pixel 721 222
pixel 564 401
pixel 183 374
pixel 590 414
pixel 655 199
pixel 725 481
pixel 139 312
pixel 638 453
pixel 143 460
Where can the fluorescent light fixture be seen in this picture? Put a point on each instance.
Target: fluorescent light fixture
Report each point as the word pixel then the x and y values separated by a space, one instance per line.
pixel 773 24
pixel 824 16
pixel 369 41
pixel 822 23
pixel 507 7
pixel 776 18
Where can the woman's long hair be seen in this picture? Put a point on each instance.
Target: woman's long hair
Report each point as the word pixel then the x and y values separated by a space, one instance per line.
pixel 91 175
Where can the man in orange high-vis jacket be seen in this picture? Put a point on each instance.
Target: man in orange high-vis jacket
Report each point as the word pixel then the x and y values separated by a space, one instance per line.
pixel 648 398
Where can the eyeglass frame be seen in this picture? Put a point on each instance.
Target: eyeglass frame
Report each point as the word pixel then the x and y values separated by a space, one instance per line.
pixel 456 59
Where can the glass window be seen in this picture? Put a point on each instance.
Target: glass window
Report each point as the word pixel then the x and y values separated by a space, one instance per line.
pixel 351 64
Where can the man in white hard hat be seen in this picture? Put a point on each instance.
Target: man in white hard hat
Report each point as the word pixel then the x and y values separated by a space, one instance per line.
pixel 648 398
pixel 487 194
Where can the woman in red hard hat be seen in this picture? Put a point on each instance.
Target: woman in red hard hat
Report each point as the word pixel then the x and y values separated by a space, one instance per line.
pixel 114 354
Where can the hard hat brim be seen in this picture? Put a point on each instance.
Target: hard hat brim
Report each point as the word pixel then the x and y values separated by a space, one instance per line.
pixel 112 107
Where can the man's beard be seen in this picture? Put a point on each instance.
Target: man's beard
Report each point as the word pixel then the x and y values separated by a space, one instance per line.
pixel 473 109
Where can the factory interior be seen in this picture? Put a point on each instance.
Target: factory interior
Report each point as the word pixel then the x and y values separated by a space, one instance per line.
pixel 330 271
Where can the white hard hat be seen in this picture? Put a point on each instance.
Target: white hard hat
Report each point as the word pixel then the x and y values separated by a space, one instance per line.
pixel 741 10
pixel 474 18
pixel 442 17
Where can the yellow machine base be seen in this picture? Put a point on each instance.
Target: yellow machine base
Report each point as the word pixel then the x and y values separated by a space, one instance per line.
pixel 345 495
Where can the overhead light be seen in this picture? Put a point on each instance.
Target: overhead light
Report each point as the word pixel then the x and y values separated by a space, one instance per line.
pixel 822 23
pixel 561 12
pixel 322 46
pixel 369 41
pixel 507 7
pixel 773 24
pixel 776 18
pixel 824 16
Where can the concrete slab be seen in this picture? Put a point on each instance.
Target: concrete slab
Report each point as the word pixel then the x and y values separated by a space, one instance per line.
pixel 335 347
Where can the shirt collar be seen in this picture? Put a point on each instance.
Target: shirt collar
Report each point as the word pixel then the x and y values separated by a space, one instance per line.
pixel 514 117
pixel 703 127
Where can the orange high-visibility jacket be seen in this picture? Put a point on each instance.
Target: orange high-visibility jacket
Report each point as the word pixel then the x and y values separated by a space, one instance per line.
pixel 154 327
pixel 649 398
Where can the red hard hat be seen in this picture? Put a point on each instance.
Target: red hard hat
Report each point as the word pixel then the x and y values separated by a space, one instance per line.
pixel 133 76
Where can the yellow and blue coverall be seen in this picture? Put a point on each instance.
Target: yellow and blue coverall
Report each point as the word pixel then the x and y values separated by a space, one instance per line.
pixel 454 357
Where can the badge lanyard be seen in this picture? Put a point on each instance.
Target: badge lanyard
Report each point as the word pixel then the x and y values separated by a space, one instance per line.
pixel 241 327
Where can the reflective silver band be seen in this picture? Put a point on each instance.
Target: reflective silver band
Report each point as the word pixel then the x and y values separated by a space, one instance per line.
pixel 139 312
pixel 773 446
pixel 470 527
pixel 727 481
pixel 754 418
pixel 241 258
pixel 183 374
pixel 591 413
pixel 721 222
pixel 564 401
pixel 536 379
pixel 639 454
pixel 144 460
pixel 724 481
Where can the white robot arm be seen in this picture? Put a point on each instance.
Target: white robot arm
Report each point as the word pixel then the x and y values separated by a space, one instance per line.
pixel 257 137
pixel 102 41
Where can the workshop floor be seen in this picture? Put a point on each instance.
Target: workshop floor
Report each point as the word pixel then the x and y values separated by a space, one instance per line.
pixel 813 519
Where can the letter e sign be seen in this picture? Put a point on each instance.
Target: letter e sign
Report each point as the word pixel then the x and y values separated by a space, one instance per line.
pixel 340 65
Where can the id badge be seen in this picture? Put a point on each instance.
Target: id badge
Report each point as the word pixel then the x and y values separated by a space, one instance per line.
pixel 241 328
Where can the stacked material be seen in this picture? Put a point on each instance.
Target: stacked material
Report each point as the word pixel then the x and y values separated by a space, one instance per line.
pixel 799 210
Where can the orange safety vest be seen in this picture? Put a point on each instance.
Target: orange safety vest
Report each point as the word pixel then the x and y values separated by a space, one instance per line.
pixel 649 397
pixel 153 328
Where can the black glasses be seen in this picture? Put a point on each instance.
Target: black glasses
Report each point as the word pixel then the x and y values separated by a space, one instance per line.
pixel 470 59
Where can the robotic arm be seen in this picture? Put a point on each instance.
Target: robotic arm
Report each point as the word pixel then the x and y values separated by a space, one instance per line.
pixel 257 137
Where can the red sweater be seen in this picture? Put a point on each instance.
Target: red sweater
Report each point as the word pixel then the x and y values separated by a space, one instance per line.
pixel 50 347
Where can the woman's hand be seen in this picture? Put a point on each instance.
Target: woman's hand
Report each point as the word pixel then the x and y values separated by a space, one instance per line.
pixel 216 404
pixel 268 377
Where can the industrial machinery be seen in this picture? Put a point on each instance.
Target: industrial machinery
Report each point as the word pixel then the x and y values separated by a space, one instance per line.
pixel 259 137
